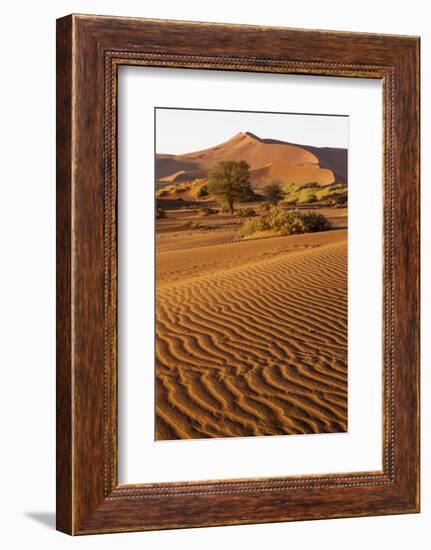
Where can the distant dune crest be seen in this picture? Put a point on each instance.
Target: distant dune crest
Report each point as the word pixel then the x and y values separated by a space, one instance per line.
pixel 267 158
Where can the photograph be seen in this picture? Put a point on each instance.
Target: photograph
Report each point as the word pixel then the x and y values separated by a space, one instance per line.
pixel 251 218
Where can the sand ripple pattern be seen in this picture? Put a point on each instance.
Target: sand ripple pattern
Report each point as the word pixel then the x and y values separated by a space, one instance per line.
pixel 255 350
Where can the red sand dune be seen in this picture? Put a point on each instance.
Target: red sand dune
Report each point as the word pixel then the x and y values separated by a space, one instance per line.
pixel 267 158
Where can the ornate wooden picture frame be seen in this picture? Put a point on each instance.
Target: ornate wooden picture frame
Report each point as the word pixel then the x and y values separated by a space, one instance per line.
pixel 89 51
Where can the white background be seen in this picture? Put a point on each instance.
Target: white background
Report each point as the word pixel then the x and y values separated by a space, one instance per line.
pixel 141 458
pixel 27 122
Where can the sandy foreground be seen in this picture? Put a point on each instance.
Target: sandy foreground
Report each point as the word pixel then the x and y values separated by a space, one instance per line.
pixel 251 336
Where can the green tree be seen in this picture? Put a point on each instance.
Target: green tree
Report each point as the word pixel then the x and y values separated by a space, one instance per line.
pixel 273 192
pixel 229 180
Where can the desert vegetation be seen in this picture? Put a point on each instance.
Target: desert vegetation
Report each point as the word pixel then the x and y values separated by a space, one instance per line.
pixel 305 194
pixel 273 192
pixel 230 181
pixel 246 212
pixel 160 213
pixel 279 221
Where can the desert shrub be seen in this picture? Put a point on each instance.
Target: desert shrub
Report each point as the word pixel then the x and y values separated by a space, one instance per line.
pixel 289 187
pixel 338 199
pixel 162 192
pixel 206 211
pixel 265 207
pixel 310 192
pixel 180 187
pixel 337 204
pixel 251 226
pixel 285 222
pixel 246 212
pixel 202 192
pixel 160 213
pixel 339 185
pixel 224 209
pixel 166 190
pixel 192 225
pixel 310 198
pixel 291 191
pixel 273 191
pixel 300 194
pixel 314 222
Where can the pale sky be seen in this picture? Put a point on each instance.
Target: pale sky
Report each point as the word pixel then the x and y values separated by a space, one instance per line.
pixel 187 130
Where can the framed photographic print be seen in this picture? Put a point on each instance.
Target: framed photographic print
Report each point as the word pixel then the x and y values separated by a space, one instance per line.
pixel 237 274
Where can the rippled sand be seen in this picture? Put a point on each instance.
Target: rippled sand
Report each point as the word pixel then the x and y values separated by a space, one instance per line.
pixel 251 337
